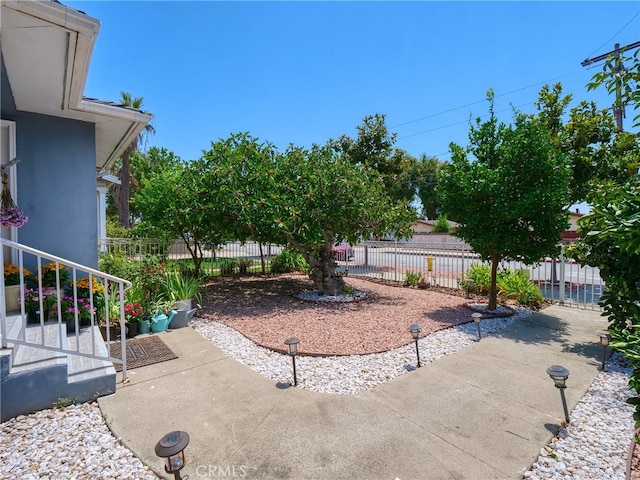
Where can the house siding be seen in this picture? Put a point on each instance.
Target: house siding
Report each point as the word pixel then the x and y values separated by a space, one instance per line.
pixel 6 95
pixel 57 186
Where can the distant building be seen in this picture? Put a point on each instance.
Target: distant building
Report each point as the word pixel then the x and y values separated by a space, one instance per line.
pixel 571 235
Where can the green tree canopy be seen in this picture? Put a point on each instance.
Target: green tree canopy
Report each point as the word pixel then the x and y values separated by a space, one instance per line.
pixel 425 175
pixel 310 199
pixel 508 190
pixel 373 148
pixel 596 152
pixel 174 202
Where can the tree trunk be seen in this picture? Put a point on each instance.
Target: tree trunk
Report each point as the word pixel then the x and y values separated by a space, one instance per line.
pixel 262 262
pixel 323 272
pixel 124 191
pixel 493 288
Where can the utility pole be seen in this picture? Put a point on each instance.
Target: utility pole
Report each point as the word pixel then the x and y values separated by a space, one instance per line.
pixel 618 107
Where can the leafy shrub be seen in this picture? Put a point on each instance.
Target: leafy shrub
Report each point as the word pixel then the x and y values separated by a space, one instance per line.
pixel 441 225
pixel 115 230
pixel 290 260
pixel 412 278
pixel 118 265
pixel 517 286
pixel 480 273
pixel 512 285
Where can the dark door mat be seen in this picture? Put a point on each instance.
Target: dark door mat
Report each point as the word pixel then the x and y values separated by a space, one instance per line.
pixel 141 352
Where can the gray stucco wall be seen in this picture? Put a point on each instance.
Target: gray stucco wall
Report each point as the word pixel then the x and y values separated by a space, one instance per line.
pixel 57 186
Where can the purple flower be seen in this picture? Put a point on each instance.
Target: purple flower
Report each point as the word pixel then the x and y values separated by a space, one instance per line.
pixel 13 217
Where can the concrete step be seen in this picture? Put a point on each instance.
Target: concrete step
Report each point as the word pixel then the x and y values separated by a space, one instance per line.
pixel 33 378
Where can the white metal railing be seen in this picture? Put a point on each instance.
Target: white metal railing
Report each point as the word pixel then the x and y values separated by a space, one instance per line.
pixel 95 301
pixel 134 248
pixel 444 261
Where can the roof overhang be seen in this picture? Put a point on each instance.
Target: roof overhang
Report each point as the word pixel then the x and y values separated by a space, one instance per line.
pixel 47 49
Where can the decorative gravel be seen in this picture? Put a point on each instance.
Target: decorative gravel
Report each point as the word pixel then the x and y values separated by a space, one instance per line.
pixel 68 443
pixel 347 374
pixel 596 442
pixel 75 442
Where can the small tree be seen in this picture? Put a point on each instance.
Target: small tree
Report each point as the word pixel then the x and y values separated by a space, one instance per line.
pixel 597 154
pixel 173 203
pixel 509 198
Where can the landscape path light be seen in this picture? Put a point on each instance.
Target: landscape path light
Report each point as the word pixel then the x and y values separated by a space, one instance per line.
pixel 171 447
pixel 415 330
pixel 477 316
pixel 292 346
pixel 605 338
pixel 559 375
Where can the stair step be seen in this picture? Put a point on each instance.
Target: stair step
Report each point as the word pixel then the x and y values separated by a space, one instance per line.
pixel 84 368
pixel 27 358
pixel 36 378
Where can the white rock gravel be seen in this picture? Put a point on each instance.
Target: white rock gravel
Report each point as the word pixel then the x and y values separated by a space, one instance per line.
pixel 596 442
pixel 69 443
pixel 349 373
pixel 75 443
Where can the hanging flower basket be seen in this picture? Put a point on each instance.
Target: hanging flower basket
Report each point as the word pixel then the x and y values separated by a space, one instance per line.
pixel 10 214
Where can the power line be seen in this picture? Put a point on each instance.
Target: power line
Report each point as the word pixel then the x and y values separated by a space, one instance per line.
pixel 616 34
pixel 483 100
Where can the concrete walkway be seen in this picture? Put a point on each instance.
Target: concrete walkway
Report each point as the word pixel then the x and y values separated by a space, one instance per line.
pixel 481 413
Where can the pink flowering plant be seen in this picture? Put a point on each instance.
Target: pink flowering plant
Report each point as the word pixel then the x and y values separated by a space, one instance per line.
pixel 32 299
pixel 82 307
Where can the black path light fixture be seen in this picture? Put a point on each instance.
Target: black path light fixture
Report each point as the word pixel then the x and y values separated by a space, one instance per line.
pixel 415 330
pixel 605 338
pixel 171 447
pixel 559 375
pixel 477 316
pixel 292 346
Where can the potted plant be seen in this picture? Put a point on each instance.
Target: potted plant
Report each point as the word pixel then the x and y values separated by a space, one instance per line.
pixel 227 265
pixel 12 285
pixel 82 307
pixel 134 313
pixel 32 299
pixel 112 316
pixel 48 274
pixel 162 315
pixel 179 290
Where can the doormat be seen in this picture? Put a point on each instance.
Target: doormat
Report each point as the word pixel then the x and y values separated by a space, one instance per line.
pixel 141 352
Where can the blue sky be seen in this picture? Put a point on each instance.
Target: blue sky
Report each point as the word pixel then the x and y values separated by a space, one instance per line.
pixel 304 72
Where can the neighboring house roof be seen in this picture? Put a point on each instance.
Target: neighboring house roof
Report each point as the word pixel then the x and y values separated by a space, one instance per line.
pixel 46 49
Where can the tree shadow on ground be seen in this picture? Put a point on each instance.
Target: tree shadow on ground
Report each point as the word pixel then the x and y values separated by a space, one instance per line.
pixel 546 329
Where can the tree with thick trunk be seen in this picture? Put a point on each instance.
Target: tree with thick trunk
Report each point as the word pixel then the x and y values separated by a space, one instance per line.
pixel 309 199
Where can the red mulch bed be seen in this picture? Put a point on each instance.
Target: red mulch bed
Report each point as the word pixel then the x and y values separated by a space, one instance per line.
pixel 266 310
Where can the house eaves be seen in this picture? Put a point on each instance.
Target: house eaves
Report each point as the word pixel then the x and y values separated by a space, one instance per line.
pixel 47 48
